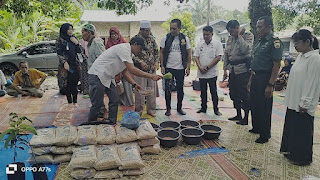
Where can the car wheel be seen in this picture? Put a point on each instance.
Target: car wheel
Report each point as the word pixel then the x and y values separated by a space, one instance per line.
pixel 8 69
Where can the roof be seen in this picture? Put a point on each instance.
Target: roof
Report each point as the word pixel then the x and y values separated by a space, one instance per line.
pixel 212 23
pixel 111 16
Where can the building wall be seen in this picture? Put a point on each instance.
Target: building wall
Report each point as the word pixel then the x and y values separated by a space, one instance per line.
pixel 129 29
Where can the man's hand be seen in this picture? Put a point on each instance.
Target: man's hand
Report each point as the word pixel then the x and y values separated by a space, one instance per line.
pixel 268 92
pixel 144 66
pixel 66 66
pixel 74 40
pixel 203 69
pixel 162 70
pixel 225 75
pixel 138 87
pixel 242 30
pixel 187 71
pixel 302 110
pixel 156 77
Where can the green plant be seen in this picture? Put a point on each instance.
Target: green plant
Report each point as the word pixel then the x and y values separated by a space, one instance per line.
pixel 16 131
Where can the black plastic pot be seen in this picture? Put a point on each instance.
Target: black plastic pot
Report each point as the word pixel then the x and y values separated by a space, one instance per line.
pixel 192 136
pixel 211 131
pixel 41 172
pixel 189 124
pixel 170 125
pixel 18 174
pixel 155 126
pixel 168 137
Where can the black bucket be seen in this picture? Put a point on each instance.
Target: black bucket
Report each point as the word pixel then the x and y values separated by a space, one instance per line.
pixel 192 136
pixel 168 137
pixel 211 131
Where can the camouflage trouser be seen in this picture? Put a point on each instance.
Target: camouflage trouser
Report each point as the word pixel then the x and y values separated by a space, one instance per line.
pixel 32 90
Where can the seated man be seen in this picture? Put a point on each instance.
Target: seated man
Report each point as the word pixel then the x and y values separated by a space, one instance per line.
pixel 28 80
pixel 2 83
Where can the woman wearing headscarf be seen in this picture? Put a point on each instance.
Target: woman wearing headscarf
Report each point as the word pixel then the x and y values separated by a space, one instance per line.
pixel 69 66
pixel 126 98
pixel 301 99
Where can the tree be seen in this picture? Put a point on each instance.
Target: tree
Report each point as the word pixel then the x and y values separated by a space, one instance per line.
pixel 298 13
pixel 198 9
pixel 258 9
pixel 187 27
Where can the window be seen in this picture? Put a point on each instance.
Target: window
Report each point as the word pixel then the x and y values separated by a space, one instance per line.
pixel 286 46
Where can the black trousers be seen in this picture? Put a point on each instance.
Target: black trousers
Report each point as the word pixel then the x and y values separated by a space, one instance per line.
pixel 238 90
pixel 213 90
pixel 178 75
pixel 261 107
pixel 71 88
pixel 297 138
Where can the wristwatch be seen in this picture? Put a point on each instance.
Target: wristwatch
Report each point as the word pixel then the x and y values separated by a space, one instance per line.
pixel 134 85
pixel 270 85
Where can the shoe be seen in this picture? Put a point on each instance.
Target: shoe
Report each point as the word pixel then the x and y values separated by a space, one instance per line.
pixel 168 113
pixel 243 122
pixel 261 140
pixel 236 118
pixel 180 111
pixel 217 113
pixel 253 131
pixel 300 163
pixel 201 111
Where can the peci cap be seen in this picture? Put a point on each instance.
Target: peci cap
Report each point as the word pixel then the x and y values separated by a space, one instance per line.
pixel 145 24
pixel 139 41
pixel 89 27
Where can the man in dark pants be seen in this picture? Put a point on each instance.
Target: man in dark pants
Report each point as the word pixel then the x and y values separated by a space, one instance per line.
pixel 175 57
pixel 237 62
pixel 265 67
pixel 208 54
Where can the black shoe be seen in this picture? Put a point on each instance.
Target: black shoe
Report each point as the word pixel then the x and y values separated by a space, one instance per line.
pixel 243 122
pixel 300 163
pixel 168 113
pixel 201 111
pixel 180 111
pixel 253 131
pixel 236 118
pixel 217 113
pixel 261 140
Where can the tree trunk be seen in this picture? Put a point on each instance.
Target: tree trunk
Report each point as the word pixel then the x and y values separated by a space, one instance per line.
pixel 257 9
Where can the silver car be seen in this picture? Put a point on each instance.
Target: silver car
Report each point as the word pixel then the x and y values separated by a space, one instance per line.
pixel 41 56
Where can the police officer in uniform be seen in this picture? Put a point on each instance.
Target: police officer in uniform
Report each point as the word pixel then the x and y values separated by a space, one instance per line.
pixel 237 61
pixel 267 55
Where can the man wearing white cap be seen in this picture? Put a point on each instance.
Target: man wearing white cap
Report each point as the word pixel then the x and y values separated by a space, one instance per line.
pixel 148 62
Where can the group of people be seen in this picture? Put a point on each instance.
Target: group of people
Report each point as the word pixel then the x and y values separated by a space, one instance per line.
pixel 252 73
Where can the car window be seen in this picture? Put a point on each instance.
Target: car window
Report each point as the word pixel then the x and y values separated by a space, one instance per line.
pixel 41 49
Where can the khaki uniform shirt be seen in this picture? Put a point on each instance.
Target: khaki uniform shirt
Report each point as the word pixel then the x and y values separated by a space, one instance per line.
pixel 267 50
pixel 150 57
pixel 238 49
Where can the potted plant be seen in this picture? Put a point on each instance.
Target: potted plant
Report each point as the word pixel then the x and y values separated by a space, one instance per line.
pixel 14 139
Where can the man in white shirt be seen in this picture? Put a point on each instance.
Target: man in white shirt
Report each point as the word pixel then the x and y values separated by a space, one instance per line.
pixel 175 57
pixel 111 62
pixel 208 54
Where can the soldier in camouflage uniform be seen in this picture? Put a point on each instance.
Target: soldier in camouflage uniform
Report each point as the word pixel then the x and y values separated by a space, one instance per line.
pixel 147 62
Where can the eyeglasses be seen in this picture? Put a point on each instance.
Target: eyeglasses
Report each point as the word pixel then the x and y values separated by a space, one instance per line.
pixel 297 42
